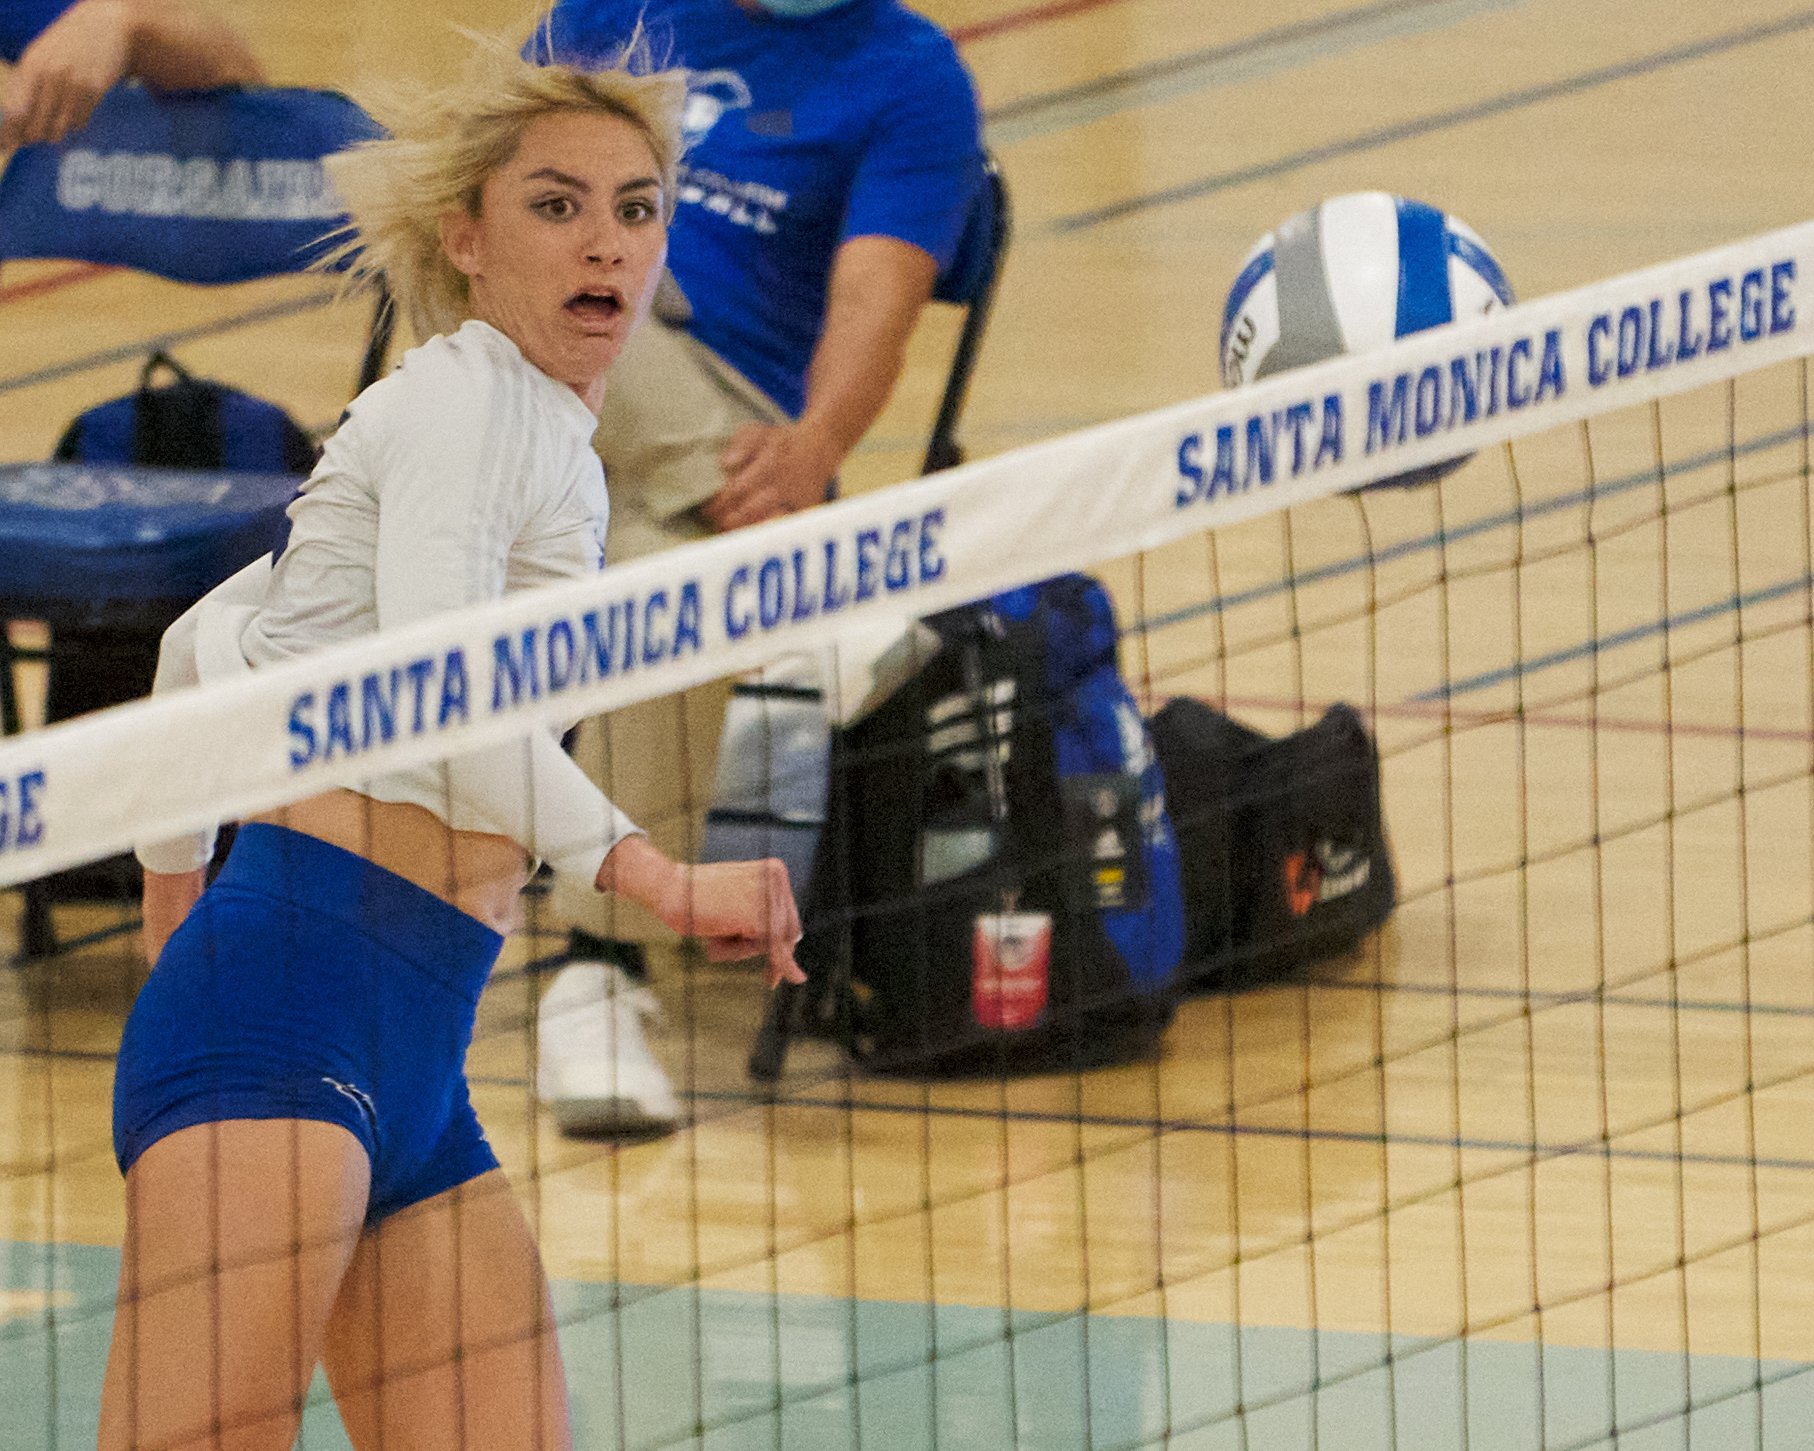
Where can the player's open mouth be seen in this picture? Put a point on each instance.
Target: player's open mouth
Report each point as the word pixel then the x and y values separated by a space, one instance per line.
pixel 601 306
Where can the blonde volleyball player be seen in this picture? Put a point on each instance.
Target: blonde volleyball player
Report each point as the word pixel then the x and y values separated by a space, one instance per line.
pixel 305 1178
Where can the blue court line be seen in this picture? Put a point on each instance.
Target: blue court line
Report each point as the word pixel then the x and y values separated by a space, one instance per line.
pixel 1157 1126
pixel 738 1098
pixel 745 1099
pixel 135 352
pixel 1545 998
pixel 1270 52
pixel 1442 538
pixel 1735 605
pixel 1441 121
pixel 1537 996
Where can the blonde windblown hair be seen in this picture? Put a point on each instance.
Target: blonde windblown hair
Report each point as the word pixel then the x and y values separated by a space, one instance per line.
pixel 444 142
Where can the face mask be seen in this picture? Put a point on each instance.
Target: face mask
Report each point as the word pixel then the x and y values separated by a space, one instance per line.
pixel 799 9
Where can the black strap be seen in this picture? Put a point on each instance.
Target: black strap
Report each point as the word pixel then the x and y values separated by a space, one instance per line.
pixel 177 425
pixel 161 359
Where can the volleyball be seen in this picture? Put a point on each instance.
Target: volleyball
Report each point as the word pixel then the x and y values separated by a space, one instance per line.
pixel 1353 273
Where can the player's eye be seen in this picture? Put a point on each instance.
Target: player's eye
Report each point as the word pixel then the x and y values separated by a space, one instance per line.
pixel 557 208
pixel 636 209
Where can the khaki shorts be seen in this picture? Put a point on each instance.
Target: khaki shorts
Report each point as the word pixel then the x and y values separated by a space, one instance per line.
pixel 671 406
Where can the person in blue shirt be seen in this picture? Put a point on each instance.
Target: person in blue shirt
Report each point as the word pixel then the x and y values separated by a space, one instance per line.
pixel 68 53
pixel 834 151
pixel 834 148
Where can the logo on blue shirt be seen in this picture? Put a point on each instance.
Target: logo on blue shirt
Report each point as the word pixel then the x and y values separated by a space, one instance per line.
pixel 709 95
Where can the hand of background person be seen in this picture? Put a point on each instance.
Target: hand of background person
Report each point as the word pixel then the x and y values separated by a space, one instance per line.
pixel 64 72
pixel 172 45
pixel 770 469
pixel 168 898
pixel 737 909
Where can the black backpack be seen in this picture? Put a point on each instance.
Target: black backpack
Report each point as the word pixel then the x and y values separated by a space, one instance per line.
pixel 1282 841
pixel 996 885
pixel 188 423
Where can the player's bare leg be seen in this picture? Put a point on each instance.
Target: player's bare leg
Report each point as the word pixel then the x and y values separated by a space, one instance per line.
pixel 237 1236
pixel 443 1337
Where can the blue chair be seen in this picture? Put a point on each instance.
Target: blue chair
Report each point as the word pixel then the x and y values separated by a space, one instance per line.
pixel 208 188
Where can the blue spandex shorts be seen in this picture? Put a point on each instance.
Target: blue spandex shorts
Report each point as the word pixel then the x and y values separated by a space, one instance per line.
pixel 309 984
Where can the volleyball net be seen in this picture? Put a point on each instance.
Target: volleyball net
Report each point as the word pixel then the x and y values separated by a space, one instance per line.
pixel 1531 1170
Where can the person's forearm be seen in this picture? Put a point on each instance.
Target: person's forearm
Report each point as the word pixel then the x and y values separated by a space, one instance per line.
pixel 640 872
pixel 853 373
pixel 878 286
pixel 736 909
pixel 177 47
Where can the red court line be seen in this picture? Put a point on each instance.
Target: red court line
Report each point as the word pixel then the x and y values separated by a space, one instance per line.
pixel 80 272
pixel 1020 19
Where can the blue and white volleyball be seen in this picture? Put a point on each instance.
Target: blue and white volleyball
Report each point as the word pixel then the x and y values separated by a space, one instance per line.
pixel 1352 274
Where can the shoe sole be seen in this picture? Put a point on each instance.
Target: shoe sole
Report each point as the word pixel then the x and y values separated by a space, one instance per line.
pixel 602 1117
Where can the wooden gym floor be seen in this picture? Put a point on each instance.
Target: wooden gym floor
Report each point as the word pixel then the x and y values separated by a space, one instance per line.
pixel 1537 1164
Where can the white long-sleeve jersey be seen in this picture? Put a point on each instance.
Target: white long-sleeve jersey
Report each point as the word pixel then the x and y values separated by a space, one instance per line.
pixel 465 474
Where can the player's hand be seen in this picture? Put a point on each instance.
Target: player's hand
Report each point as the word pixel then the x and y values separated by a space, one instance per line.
pixel 770 469
pixel 65 72
pixel 168 898
pixel 739 909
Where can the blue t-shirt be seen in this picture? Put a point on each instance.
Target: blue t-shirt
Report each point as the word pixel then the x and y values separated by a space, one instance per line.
pixel 801 134
pixel 22 21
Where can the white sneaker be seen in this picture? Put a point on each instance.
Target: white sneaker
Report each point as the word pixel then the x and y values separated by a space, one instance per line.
pixel 595 1071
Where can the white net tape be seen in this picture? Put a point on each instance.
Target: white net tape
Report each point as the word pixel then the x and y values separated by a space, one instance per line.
pixel 81 790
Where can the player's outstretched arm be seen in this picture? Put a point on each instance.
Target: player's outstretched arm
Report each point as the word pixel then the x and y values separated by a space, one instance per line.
pixel 170 44
pixel 738 909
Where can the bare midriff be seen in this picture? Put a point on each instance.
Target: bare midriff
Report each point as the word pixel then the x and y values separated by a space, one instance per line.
pixel 480 873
